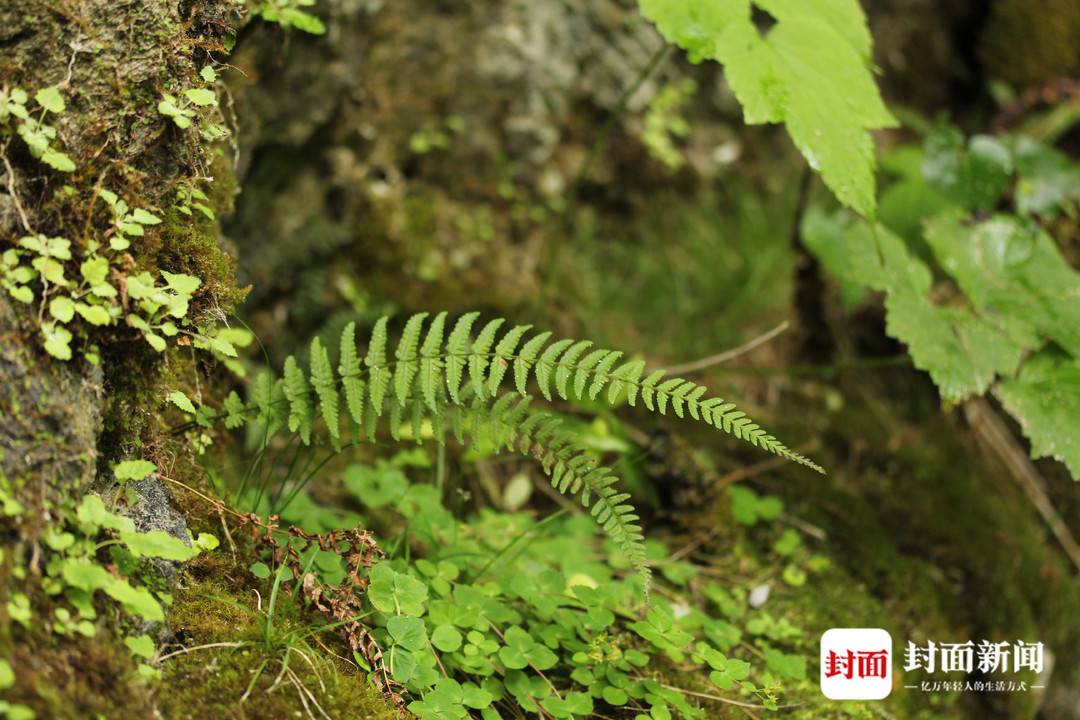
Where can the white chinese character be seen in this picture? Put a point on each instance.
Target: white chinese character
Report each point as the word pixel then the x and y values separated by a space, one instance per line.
pixel 957 657
pixel 1028 656
pixel 993 657
pixel 916 657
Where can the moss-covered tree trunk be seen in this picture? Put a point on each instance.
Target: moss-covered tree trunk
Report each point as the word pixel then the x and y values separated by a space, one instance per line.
pixel 65 420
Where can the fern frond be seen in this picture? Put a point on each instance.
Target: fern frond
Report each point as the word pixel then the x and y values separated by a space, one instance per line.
pixel 296 392
pixel 545 367
pixel 431 362
pixel 426 383
pixel 526 359
pixel 457 349
pixel 575 370
pixel 349 370
pixel 571 469
pixel 378 372
pixel 479 358
pixel 325 384
pixel 406 357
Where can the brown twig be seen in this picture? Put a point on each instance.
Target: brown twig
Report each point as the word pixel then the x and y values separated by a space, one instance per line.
pixel 723 357
pixel 992 431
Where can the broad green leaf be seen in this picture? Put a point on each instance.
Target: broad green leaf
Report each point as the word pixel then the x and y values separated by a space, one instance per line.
pixel 206 542
pixel 144 217
pixel 1045 399
pixel 57 160
pixel 93 314
pixel 180 283
pixel 133 470
pixel 377 486
pixel 141 645
pixel 408 632
pixel 57 341
pixel 1014 273
pixel 811 71
pixel 92 511
pixel 202 97
pixel 446 638
pixel 1047 180
pixel 50 99
pixel 974 175
pixel 394 592
pixel 961 350
pixel 157 544
pixel 62 308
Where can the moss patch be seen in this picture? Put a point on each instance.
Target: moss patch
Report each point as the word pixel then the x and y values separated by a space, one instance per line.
pixel 216 603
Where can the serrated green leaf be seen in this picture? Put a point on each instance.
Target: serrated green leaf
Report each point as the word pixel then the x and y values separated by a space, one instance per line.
pixel 811 71
pixel 181 401
pixel 430 362
pixel 1045 400
pixel 504 352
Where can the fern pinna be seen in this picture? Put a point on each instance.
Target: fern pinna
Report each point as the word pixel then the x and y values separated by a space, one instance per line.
pixel 456 380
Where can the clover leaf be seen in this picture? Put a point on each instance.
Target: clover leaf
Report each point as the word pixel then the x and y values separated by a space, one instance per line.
pixel 521 651
pixel 394 592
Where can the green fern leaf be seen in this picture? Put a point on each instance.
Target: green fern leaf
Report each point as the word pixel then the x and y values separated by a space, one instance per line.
pixel 626 379
pixel 564 370
pixel 504 353
pixel 349 370
pixel 545 366
pixel 457 348
pixel 235 412
pixel 296 392
pixel 648 388
pixel 478 360
pixel 430 363
pixel 602 373
pixel 407 368
pixel 584 370
pixel 526 359
pixel 325 384
pixel 663 393
pixel 378 372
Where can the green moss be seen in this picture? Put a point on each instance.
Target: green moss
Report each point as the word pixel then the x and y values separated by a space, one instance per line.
pixel 216 604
